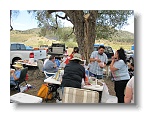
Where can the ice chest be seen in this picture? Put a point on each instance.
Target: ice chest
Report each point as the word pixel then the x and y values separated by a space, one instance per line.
pixel 24 98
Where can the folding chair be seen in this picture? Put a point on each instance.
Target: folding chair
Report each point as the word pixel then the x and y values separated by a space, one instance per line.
pixel 40 67
pixel 22 78
pixel 76 95
pixel 47 74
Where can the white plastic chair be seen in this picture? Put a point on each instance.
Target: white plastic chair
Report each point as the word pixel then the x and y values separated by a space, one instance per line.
pixel 47 73
pixel 106 97
pixel 40 66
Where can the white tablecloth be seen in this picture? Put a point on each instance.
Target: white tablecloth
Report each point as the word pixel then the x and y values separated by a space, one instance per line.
pixel 52 81
pixel 93 87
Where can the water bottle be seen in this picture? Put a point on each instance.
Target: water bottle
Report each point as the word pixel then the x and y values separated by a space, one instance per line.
pixel 90 80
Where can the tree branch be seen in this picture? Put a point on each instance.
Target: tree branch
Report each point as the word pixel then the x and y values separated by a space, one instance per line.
pixel 71 32
pixel 65 17
pixel 11 28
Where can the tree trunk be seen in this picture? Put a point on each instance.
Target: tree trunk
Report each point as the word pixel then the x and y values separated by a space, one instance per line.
pixel 85 31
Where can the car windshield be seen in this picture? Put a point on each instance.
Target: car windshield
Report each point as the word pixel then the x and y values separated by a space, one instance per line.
pixel 109 50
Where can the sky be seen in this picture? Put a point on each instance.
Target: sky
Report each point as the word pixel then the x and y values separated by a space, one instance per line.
pixel 26 21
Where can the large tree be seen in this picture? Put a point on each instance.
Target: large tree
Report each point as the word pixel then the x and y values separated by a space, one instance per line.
pixel 87 24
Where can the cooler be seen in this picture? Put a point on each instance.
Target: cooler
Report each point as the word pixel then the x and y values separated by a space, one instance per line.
pixel 24 98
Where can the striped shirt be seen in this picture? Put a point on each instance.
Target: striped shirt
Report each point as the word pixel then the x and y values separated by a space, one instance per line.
pixel 95 68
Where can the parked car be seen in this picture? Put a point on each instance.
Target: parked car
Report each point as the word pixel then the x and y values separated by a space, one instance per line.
pixel 29 48
pixel 18 51
pixel 57 49
pixel 108 51
pixel 45 47
pixel 130 56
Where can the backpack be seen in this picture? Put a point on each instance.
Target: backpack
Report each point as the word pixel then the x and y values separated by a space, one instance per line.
pixel 43 92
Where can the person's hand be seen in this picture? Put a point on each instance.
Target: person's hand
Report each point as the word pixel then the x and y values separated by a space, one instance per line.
pixel 98 60
pixel 55 65
pixel 113 57
pixel 12 71
pixel 101 64
pixel 87 83
pixel 12 74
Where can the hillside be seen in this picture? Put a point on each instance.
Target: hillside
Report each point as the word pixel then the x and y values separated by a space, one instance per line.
pixel 31 37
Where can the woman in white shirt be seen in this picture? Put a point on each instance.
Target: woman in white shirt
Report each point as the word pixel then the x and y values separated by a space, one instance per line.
pixel 129 92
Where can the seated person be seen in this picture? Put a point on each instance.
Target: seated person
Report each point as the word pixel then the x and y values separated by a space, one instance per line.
pixel 75 50
pixel 15 75
pixel 63 64
pixel 131 70
pixel 73 73
pixel 57 61
pixel 50 65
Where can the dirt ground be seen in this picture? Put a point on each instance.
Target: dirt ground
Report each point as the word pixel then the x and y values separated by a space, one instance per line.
pixel 36 80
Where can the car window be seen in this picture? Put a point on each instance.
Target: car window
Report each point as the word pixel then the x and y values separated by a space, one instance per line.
pixel 22 46
pixel 13 47
pixel 109 49
pixel 95 48
pixel 18 47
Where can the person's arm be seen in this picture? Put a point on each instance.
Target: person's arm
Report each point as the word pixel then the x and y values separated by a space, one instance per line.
pixel 106 61
pixel 93 58
pixel 128 95
pixel 55 66
pixel 16 75
pixel 112 68
pixel 86 80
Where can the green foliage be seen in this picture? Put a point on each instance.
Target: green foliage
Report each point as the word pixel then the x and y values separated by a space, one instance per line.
pixel 123 36
pixel 104 32
pixel 113 18
pixel 71 44
pixel 106 22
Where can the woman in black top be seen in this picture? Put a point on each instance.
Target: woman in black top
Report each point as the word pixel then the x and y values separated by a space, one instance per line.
pixel 73 73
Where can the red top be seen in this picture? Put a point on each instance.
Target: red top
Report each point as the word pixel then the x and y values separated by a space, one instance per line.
pixel 68 58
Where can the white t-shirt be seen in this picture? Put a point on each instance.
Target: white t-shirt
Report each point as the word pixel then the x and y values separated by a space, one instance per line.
pixel 45 62
pixel 122 72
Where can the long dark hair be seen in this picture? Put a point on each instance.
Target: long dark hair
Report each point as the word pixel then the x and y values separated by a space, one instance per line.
pixel 122 55
pixel 76 50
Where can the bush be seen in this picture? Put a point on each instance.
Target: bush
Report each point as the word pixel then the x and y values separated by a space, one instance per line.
pixel 71 44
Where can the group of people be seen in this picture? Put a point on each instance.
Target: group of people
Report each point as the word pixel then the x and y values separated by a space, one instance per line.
pixel 74 71
pixel 123 82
